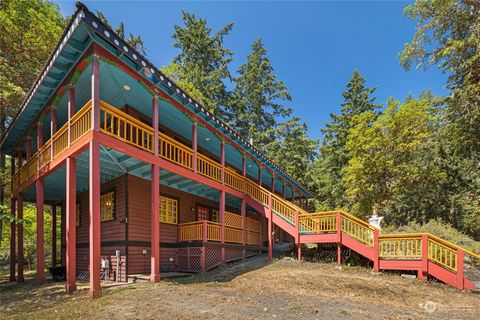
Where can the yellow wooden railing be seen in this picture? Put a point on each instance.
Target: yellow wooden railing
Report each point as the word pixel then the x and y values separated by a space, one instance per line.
pixel 126 128
pixel 358 229
pixel 122 126
pixel 283 208
pixel 60 141
pixel 233 235
pixel 173 151
pixel 318 222
pixel 442 253
pixel 253 238
pixel 402 246
pixel 45 154
pixel 209 168
pixel 190 231
pixel 253 225
pixel 234 180
pixel 81 122
pixel 256 192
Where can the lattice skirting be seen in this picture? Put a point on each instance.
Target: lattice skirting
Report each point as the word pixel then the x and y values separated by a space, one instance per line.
pixel 213 257
pixel 232 254
pixel 188 259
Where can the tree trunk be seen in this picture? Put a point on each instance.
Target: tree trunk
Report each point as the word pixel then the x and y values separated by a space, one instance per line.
pixel 3 179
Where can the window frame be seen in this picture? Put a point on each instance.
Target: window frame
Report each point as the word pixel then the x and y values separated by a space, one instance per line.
pixel 114 201
pixel 167 196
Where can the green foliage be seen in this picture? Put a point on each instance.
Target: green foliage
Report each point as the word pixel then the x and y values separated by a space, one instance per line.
pixel 334 156
pixel 440 229
pixel 174 72
pixel 203 61
pixel 295 152
pixel 258 97
pixel 388 169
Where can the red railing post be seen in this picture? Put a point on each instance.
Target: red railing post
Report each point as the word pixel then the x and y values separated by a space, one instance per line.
pixel 460 269
pixel 297 236
pixel 12 238
pixel 244 225
pixel 20 256
pixel 269 218
pixel 155 201
pixel 423 272
pixel 71 111
pixel 53 128
pixel 195 146
pixel 339 238
pixel 376 251
pixel 204 231
pixel 222 221
pixel 40 206
pixel 71 224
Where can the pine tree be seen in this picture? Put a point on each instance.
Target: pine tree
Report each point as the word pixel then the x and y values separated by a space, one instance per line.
pixel 258 97
pixel 334 157
pixel 203 61
pixel 294 151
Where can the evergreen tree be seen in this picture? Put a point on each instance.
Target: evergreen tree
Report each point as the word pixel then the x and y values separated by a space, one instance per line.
pixel 258 97
pixel 294 151
pixel 203 61
pixel 334 156
pixel 29 31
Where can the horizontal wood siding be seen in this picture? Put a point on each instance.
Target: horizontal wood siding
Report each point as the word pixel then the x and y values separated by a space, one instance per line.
pixel 139 263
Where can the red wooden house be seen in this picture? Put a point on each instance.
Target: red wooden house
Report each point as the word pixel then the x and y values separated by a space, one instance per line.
pixel 136 167
pixel 147 179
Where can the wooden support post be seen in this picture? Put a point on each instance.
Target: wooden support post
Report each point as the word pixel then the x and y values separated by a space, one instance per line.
pixel 460 269
pixel 195 146
pixel 94 209
pixel 40 214
pixel 284 194
pixel 71 109
pixel 339 238
pixel 244 166
pixel 222 221
pixel 12 239
pixel 260 175
pixel 222 160
pixel 243 211
pixel 94 186
pixel 293 195
pixel 273 182
pixel 54 236
pixel 423 272
pixel 270 227
pixel 204 246
pixel 71 224
pixel 155 225
pixel 297 236
pixel 28 152
pixel 155 201
pixel 53 128
pixel 20 257
pixel 376 251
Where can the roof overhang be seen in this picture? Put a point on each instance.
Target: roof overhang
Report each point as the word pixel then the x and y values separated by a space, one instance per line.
pixel 85 28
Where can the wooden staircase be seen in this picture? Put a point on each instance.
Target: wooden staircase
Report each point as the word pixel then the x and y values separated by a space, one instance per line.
pixel 424 253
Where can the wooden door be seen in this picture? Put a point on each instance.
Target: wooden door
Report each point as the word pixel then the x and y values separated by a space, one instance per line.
pixel 203 213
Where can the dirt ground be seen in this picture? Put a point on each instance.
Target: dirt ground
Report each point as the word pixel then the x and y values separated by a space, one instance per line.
pixel 283 289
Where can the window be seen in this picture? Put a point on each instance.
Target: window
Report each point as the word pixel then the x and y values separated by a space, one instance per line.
pixel 215 216
pixel 77 214
pixel 168 210
pixel 107 206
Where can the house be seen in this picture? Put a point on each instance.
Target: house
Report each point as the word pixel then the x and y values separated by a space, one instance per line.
pixel 141 176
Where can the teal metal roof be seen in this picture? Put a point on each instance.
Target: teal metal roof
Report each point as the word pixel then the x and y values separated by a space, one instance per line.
pixel 84 29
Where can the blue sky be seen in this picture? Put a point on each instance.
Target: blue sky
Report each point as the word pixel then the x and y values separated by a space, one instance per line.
pixel 314 46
